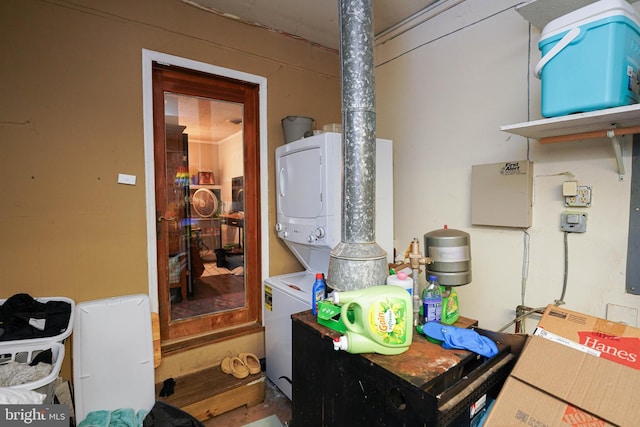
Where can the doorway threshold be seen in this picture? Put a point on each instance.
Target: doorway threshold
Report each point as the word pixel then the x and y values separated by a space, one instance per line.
pixel 171 347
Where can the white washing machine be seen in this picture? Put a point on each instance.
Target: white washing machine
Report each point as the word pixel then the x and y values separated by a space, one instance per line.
pixel 283 296
pixel 309 216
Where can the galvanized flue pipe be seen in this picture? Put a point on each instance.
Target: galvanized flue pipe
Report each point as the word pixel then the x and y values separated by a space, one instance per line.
pixel 357 261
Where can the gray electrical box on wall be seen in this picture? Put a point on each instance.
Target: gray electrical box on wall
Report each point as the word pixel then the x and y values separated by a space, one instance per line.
pixel 501 194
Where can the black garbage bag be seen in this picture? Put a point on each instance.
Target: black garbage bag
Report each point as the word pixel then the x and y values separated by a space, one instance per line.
pixel 164 415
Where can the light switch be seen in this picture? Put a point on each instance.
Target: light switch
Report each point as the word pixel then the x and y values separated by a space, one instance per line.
pixel 573 219
pixel 573 222
pixel 126 179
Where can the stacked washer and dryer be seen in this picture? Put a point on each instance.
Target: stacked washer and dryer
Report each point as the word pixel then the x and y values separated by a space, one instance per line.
pixel 309 221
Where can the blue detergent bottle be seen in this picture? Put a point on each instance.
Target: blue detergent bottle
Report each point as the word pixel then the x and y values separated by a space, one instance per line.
pixel 317 293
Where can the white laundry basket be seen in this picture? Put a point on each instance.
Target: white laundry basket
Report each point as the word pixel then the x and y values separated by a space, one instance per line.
pixel 25 350
pixel 25 353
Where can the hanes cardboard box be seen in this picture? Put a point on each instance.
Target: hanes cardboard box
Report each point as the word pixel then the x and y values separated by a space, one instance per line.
pixel 614 341
pixel 557 383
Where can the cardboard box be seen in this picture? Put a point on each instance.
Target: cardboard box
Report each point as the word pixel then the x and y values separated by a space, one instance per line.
pixel 539 409
pixel 556 385
pixel 606 339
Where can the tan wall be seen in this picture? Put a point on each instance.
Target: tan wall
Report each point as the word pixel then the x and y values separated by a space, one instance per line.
pixel 71 120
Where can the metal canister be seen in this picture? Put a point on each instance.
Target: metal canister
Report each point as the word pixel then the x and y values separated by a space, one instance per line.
pixel 450 252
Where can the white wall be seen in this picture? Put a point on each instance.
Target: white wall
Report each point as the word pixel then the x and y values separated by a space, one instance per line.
pixel 444 88
pixel 203 157
pixel 230 162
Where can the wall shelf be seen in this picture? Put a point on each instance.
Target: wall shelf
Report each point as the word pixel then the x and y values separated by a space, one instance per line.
pixel 540 12
pixel 575 125
pixel 610 123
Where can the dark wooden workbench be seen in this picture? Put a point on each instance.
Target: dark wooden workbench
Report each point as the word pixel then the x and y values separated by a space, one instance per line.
pixel 425 385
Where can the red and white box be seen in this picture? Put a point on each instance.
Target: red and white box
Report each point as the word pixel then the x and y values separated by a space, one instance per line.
pixel 614 341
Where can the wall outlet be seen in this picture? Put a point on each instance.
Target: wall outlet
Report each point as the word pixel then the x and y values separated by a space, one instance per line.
pixel 573 222
pixel 582 198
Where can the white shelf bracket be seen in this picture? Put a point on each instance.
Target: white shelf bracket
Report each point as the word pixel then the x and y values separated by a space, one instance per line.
pixel 618 149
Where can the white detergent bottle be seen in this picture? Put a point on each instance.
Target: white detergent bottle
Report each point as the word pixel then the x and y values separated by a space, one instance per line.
pixel 380 320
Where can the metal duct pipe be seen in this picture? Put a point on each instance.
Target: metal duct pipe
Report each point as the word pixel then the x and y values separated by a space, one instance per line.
pixel 357 261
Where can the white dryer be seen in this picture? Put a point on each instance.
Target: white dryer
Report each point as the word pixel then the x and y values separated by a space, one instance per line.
pixel 309 217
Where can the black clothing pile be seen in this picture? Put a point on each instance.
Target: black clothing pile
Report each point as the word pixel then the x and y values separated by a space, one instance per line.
pixel 22 318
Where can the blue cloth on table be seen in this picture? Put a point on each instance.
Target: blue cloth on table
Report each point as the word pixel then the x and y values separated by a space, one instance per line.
pixel 462 338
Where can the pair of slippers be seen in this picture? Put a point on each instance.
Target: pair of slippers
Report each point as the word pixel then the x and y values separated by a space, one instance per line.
pixel 242 365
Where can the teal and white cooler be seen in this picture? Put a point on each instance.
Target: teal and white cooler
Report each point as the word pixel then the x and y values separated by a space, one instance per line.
pixel 590 59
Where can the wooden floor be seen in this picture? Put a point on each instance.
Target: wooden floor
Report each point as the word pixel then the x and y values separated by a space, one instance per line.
pixel 274 403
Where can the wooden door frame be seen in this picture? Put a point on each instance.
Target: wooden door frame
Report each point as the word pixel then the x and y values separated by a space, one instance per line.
pixel 260 158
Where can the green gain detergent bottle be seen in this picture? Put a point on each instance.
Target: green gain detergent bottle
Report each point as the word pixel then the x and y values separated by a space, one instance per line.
pixel 379 320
